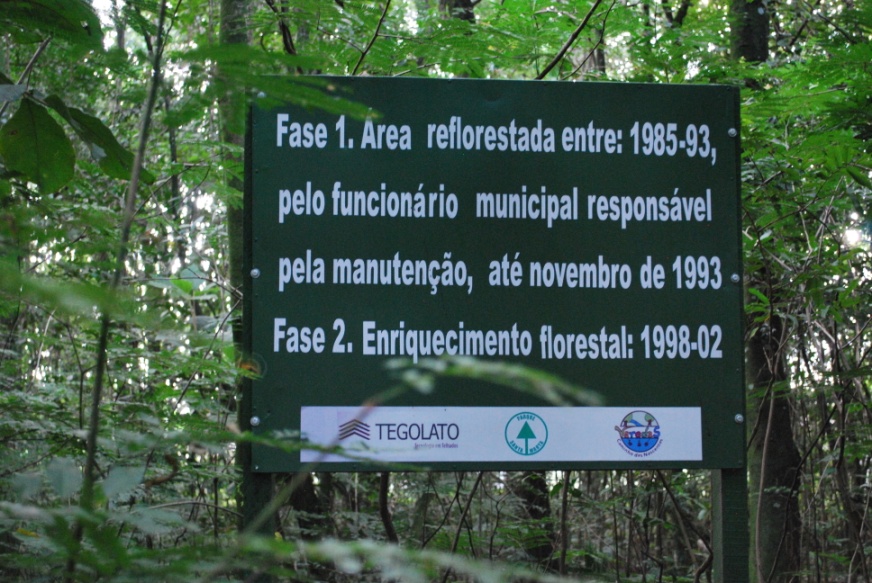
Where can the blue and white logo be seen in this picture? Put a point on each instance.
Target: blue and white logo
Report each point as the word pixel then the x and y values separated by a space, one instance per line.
pixel 639 433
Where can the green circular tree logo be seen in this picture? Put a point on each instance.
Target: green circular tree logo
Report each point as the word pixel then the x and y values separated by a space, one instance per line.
pixel 526 433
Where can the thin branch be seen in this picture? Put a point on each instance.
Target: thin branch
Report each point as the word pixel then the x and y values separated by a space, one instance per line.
pixel 287 39
pixel 218 331
pixel 682 11
pixel 196 503
pixel 564 532
pixel 794 488
pixel 283 495
pixel 597 45
pixel 587 57
pixel 683 520
pixel 374 36
pixel 285 30
pixel 447 512
pixel 87 494
pixel 462 520
pixel 667 11
pixel 569 42
pixel 384 508
pixel 28 68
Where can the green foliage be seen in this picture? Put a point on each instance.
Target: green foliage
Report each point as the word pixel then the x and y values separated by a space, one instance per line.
pixel 74 21
pixel 113 159
pixel 34 145
pixel 167 490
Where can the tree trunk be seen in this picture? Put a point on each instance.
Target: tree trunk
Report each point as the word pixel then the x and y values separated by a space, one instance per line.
pixel 310 508
pixel 256 489
pixel 773 461
pixel 462 9
pixel 532 488
pixel 773 458
pixel 750 30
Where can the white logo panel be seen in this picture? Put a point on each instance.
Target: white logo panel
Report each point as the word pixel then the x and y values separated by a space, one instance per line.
pixel 501 434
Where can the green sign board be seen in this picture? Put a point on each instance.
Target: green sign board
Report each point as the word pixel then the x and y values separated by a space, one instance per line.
pixel 589 230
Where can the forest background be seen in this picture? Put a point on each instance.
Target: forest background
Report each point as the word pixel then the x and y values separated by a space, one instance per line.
pixel 120 229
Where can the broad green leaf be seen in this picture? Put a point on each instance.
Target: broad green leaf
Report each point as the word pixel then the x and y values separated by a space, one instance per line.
pixel 121 480
pixel 186 285
pixel 135 19
pixel 11 92
pixel 74 21
pixel 33 144
pixel 64 476
pixel 192 279
pixel 115 160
